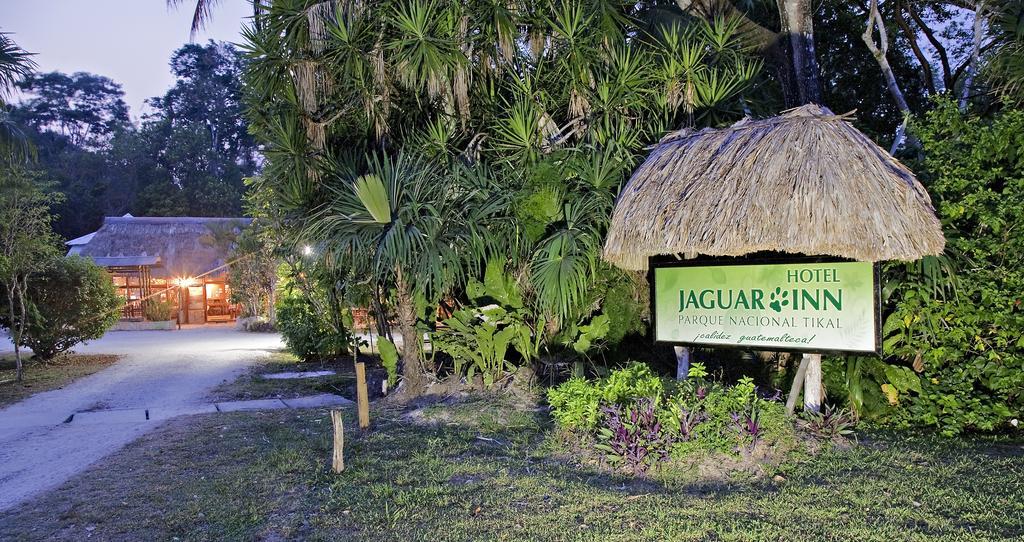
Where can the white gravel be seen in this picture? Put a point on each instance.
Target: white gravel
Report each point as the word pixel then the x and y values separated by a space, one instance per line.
pixel 167 371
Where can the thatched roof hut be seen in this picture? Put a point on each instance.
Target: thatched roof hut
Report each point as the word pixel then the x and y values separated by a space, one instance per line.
pixel 173 246
pixel 805 182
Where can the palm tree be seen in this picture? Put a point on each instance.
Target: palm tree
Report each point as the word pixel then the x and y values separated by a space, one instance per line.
pixel 491 127
pixel 202 13
pixel 409 227
pixel 15 65
pixel 1005 64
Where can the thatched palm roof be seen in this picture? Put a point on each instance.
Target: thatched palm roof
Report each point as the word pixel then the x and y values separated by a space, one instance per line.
pixel 175 246
pixel 806 182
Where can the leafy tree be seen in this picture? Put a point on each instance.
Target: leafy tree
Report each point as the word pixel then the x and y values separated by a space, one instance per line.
pixel 71 122
pixel 253 275
pixel 86 109
pixel 191 154
pixel 27 246
pixel 73 300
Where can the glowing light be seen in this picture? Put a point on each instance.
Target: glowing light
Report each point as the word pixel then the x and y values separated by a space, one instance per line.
pixel 184 281
pixel 307 250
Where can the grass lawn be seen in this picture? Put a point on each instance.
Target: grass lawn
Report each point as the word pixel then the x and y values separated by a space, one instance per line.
pixel 253 386
pixel 39 377
pixel 482 470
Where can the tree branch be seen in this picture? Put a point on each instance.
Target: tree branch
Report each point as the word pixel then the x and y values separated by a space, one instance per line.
pixel 927 75
pixel 947 73
pixel 879 50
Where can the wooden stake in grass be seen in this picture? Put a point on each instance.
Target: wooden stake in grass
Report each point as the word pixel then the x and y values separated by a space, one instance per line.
pixel 361 396
pixel 338 457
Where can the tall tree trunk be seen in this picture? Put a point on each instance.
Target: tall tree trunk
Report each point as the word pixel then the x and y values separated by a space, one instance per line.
pixel 17 325
pixel 272 307
pixel 775 47
pixel 798 29
pixel 972 68
pixel 879 50
pixel 405 308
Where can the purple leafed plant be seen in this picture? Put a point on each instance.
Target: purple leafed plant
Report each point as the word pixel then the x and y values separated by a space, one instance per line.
pixel 688 421
pixel 747 425
pixel 632 435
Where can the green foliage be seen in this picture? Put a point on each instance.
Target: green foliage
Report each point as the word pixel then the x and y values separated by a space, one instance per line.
pixel 1004 64
pixel 590 333
pixel 575 403
pixel 497 287
pixel 693 416
pixel 157 311
pixel 307 332
pixel 187 157
pixel 483 150
pixel 389 359
pixel 253 272
pixel 74 300
pixel 965 342
pixel 479 339
pixel 831 424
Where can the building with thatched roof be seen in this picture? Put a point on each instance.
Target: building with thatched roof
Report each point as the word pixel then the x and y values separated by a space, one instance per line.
pixel 181 260
pixel 806 182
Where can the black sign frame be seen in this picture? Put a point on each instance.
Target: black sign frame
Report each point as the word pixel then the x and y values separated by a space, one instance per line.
pixel 767 258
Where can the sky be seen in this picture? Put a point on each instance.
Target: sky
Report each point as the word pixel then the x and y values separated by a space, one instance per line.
pixel 129 41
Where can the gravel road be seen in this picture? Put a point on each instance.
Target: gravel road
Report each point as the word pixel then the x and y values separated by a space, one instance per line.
pixel 166 373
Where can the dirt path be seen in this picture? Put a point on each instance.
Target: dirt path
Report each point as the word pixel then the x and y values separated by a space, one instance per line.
pixel 167 372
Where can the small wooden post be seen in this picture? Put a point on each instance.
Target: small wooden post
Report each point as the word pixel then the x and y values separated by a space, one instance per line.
pixel 682 362
pixel 798 384
pixel 338 457
pixel 362 399
pixel 812 383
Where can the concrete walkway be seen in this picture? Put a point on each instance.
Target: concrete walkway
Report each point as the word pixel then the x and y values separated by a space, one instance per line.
pixel 168 373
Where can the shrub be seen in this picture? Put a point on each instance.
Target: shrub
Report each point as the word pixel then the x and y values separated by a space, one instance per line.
pixel 389 359
pixel 576 403
pixel 74 300
pixel 306 331
pixel 632 435
pixel 479 340
pixel 639 419
pixel 962 338
pixel 157 311
pixel 829 424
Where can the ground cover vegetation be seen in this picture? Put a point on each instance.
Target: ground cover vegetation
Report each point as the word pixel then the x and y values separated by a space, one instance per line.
pixel 48 375
pixel 487 470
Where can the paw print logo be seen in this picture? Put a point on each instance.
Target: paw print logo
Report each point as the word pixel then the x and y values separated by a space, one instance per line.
pixel 779 299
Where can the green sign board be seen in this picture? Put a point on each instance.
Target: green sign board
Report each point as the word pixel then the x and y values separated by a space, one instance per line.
pixel 774 306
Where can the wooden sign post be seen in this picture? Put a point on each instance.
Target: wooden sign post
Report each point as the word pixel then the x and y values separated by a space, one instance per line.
pixel 362 400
